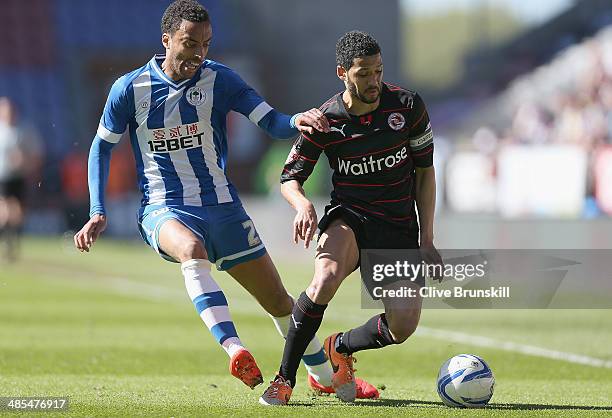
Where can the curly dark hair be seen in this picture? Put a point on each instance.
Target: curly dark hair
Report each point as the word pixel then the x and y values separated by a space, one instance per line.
pixel 180 10
pixel 355 44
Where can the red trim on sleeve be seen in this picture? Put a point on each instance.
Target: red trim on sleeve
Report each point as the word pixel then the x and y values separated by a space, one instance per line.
pixel 310 140
pixel 304 158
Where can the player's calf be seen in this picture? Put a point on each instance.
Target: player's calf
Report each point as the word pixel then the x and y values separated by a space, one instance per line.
pixel 402 323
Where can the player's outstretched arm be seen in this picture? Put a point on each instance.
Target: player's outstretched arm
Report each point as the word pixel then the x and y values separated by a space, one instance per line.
pixel 282 126
pixel 97 172
pixel 244 99
pixel 305 221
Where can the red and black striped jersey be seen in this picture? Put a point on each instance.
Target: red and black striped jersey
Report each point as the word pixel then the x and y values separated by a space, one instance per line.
pixel 373 156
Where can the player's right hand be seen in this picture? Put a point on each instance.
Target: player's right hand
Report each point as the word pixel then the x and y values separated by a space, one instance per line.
pixel 310 120
pixel 85 238
pixel 305 224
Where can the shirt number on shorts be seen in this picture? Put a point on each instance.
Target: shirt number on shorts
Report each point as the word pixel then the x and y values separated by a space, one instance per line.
pixel 252 237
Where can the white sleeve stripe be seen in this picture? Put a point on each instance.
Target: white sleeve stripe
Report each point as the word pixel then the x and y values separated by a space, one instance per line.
pixel 261 110
pixel 107 135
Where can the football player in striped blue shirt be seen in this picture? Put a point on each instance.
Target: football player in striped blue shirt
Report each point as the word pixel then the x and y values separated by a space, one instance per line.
pixel 175 109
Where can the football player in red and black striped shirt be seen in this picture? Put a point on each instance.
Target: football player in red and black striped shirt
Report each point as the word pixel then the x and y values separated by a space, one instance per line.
pixel 380 149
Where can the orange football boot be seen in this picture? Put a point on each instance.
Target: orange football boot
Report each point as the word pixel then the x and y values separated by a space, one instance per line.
pixel 364 389
pixel 243 366
pixel 277 394
pixel 343 378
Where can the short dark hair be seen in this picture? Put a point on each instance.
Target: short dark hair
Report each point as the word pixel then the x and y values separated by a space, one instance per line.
pixel 355 44
pixel 180 10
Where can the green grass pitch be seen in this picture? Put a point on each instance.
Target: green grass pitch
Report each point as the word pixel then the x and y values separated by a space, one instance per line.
pixel 115 331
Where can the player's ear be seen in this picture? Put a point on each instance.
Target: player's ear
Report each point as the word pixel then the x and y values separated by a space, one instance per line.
pixel 341 72
pixel 166 40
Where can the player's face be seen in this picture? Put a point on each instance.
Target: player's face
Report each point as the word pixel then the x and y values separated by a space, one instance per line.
pixel 364 79
pixel 187 48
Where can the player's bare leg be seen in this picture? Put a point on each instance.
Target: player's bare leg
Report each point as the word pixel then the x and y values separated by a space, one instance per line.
pixel 399 321
pixel 261 278
pixel 403 314
pixel 179 242
pixel 336 257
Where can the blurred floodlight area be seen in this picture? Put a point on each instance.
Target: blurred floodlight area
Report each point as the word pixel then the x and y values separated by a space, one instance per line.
pixel 519 94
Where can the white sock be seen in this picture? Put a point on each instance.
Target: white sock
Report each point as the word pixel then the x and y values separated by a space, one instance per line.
pixel 211 304
pixel 314 358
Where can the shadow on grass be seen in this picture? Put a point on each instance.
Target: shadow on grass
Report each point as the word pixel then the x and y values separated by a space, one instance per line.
pixel 398 403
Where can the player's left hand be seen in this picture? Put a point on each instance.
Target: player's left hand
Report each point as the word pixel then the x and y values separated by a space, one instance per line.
pixel 85 238
pixel 431 256
pixel 310 120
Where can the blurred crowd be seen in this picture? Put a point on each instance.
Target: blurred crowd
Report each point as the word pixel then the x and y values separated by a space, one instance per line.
pixel 565 103
pixel 568 101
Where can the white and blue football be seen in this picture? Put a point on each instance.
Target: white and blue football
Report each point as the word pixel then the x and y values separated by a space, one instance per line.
pixel 465 381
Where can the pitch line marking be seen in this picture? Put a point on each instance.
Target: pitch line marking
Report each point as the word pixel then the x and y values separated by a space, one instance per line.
pixel 158 293
pixel 530 350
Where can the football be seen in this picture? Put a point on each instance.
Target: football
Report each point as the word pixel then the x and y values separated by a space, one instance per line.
pixel 465 380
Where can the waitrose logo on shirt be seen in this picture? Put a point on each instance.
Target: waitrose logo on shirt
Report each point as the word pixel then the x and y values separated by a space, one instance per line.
pixel 369 165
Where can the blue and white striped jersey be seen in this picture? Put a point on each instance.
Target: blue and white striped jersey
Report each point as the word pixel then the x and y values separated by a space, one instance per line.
pixel 178 130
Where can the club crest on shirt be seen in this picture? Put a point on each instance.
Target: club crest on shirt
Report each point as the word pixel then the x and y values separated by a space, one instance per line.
pixel 195 96
pixel 396 121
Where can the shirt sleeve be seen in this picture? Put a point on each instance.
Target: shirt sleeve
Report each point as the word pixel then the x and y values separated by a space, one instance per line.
pixel 242 98
pixel 245 100
pixel 116 114
pixel 421 135
pixel 302 159
pixel 279 125
pixel 98 168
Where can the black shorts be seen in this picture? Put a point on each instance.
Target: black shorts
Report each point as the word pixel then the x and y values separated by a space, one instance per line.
pixel 370 233
pixel 13 187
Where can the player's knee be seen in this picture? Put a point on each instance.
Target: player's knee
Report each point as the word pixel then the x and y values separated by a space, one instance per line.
pixel 404 327
pixel 324 286
pixel 189 249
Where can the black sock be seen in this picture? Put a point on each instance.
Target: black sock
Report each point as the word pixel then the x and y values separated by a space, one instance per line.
pixel 305 321
pixel 373 334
